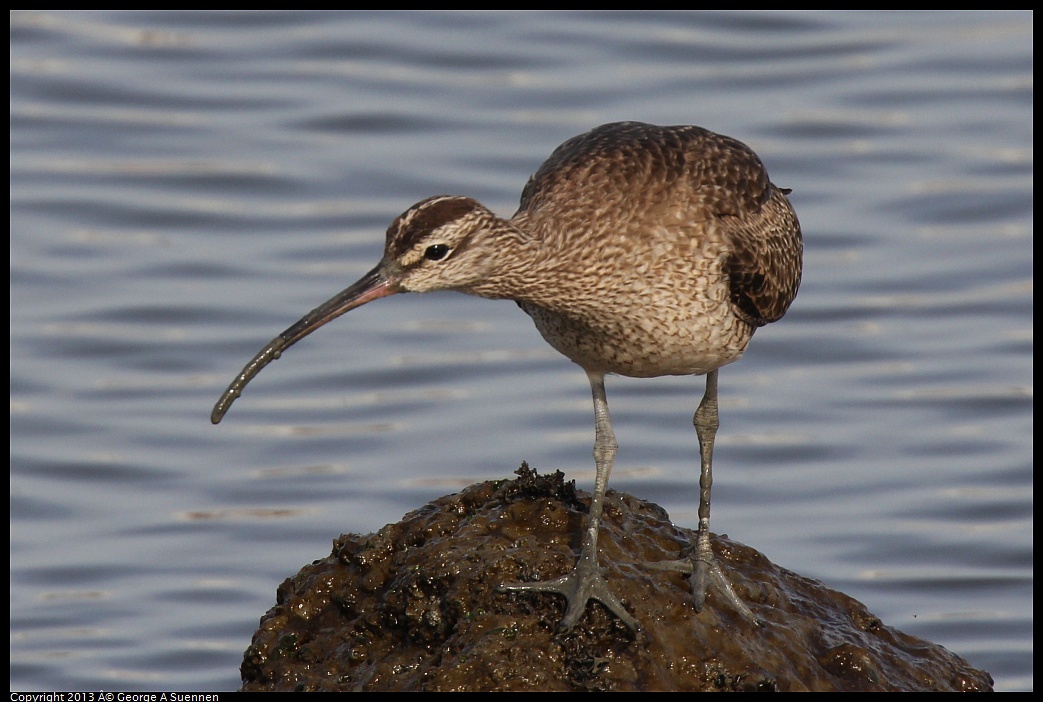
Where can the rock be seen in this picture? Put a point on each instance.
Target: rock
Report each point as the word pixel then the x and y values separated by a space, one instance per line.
pixel 416 607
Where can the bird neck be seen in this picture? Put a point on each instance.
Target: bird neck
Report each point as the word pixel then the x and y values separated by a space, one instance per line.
pixel 520 262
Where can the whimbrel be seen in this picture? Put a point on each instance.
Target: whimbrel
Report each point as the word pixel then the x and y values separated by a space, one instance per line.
pixel 637 249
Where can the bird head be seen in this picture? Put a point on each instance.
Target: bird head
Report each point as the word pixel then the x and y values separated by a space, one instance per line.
pixel 437 244
pixel 429 247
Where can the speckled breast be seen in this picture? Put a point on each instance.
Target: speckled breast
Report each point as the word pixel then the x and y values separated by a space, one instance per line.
pixel 667 312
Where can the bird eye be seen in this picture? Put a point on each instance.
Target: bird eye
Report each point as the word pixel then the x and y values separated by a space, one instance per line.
pixel 436 252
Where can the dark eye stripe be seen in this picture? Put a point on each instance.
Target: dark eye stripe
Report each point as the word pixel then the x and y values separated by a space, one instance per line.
pixel 423 218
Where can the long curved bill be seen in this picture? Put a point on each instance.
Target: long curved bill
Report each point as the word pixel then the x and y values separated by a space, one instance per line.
pixel 371 286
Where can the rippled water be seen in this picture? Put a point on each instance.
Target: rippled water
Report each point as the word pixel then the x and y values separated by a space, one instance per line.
pixel 186 185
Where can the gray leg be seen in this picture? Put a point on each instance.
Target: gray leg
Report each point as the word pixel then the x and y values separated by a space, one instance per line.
pixel 584 582
pixel 702 564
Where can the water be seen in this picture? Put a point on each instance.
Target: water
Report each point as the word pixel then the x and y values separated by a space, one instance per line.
pixel 186 185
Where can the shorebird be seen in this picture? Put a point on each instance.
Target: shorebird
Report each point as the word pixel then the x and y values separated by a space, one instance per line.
pixel 636 249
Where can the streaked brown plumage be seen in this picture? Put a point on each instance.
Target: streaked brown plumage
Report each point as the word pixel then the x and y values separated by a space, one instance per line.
pixel 638 250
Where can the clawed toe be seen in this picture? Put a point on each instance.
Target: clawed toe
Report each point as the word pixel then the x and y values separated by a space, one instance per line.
pixel 578 587
pixel 705 568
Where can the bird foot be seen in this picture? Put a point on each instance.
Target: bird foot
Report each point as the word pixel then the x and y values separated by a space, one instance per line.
pixel 703 566
pixel 580 585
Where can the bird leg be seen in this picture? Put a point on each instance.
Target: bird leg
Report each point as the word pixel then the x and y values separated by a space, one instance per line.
pixel 702 564
pixel 584 582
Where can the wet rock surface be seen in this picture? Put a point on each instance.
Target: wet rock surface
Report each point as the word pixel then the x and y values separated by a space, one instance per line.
pixel 416 606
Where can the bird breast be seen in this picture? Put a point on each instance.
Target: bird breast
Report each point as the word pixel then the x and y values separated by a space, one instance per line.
pixel 643 306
